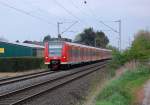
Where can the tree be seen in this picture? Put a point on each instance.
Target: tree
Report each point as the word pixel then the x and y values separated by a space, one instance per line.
pixel 86 37
pixel 101 39
pixel 17 41
pixel 47 38
pixel 92 38
pixel 113 48
pixel 140 48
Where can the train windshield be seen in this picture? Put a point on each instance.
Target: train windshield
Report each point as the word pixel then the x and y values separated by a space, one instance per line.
pixel 55 49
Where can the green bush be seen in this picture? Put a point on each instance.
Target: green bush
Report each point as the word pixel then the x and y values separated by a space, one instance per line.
pixel 140 48
pixel 118 59
pixel 139 51
pixel 119 92
pixel 20 64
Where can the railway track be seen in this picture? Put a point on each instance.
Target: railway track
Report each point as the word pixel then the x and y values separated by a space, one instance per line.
pixel 13 77
pixel 18 97
pixel 10 80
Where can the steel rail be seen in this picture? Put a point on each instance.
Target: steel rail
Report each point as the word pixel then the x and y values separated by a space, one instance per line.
pixel 78 73
pixel 24 77
pixel 14 77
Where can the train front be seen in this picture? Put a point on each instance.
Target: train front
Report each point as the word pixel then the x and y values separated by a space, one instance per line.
pixel 53 54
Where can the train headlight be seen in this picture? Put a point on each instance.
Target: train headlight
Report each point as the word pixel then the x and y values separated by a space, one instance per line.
pixel 64 57
pixel 46 57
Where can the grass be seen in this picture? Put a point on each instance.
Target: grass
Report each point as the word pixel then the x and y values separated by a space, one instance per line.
pixel 121 91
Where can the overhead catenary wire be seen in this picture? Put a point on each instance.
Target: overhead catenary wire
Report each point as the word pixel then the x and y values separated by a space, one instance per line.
pixel 90 13
pixel 114 30
pixel 97 18
pixel 77 7
pixel 24 12
pixel 38 9
pixel 109 27
pixel 69 27
pixel 69 12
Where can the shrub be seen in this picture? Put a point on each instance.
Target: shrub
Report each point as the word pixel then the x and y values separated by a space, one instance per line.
pixel 139 51
pixel 118 59
pixel 140 48
pixel 20 64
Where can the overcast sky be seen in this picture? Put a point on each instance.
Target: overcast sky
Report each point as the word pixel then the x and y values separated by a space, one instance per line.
pixel 45 14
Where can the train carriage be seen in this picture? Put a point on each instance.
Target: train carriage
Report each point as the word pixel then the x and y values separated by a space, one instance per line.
pixel 59 53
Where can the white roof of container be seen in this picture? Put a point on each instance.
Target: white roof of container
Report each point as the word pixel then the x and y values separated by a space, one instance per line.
pixel 24 44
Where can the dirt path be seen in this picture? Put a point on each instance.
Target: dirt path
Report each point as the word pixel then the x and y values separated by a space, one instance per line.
pixel 146 100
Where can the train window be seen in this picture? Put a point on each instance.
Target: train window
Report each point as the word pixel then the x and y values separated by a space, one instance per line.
pixel 76 52
pixel 70 52
pixel 55 49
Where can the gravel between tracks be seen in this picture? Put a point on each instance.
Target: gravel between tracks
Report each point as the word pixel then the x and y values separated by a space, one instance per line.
pixel 13 86
pixel 21 84
pixel 12 74
pixel 71 94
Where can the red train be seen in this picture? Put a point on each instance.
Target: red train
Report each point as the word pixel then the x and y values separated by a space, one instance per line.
pixel 59 53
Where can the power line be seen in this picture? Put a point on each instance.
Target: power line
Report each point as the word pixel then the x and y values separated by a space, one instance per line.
pixel 38 9
pixel 69 27
pixel 97 18
pixel 77 7
pixel 69 12
pixel 109 27
pixel 119 31
pixel 24 12
pixel 91 13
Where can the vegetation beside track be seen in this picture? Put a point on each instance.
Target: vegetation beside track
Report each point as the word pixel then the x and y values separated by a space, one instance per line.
pixel 122 90
pixel 138 52
pixel 20 64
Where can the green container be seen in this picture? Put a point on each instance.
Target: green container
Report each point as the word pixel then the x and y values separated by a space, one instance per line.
pixel 15 50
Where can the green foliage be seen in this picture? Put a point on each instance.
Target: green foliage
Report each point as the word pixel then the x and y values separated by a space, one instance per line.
pixel 47 38
pixel 141 46
pixel 121 90
pixel 101 39
pixel 90 37
pixel 20 64
pixel 87 37
pixel 118 59
pixel 140 51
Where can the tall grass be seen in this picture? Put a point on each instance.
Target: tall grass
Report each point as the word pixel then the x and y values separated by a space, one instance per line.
pixel 121 91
